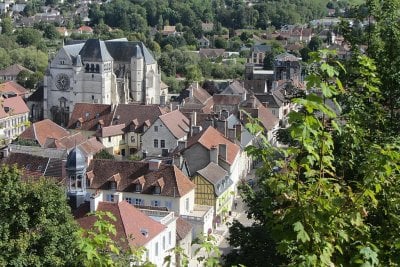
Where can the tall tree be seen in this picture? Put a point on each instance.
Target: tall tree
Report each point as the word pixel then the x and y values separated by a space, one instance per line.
pixel 36 226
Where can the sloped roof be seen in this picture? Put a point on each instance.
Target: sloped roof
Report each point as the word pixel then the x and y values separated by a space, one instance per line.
pixel 14 87
pixel 111 130
pixel 42 130
pixel 183 228
pixel 286 57
pixel 235 88
pixel 211 52
pixel 210 137
pixel 261 48
pixel 176 184
pixel 257 110
pixel 13 70
pixel 16 105
pixel 221 99
pixel 130 224
pixel 123 51
pixel 90 115
pixel 176 123
pixel 95 50
pixel 213 173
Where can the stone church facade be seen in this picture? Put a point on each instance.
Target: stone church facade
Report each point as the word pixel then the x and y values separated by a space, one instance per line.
pixel 104 72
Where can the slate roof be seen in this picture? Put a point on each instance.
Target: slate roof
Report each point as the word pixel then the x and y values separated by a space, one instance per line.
pixel 15 105
pixel 175 183
pixel 129 225
pixel 42 130
pixel 183 228
pixel 270 99
pixel 211 52
pixel 286 57
pixel 13 70
pixel 235 88
pixel 14 87
pixel 230 100
pixel 34 167
pixel 213 173
pixel 94 50
pixel 210 137
pixel 124 50
pixel 176 122
pixel 261 48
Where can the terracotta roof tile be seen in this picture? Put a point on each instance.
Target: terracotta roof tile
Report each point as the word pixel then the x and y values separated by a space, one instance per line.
pixel 130 224
pixel 42 130
pixel 13 106
pixel 210 138
pixel 176 122
pixel 90 114
pixel 176 184
pixel 111 130
pixel 227 99
pixel 14 87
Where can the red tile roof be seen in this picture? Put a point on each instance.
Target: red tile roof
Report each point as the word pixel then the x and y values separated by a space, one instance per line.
pixel 133 227
pixel 176 122
pixel 42 130
pixel 90 115
pixel 14 87
pixel 210 138
pixel 111 130
pixel 12 106
pixel 176 184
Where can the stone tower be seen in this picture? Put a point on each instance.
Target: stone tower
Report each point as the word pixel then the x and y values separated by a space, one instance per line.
pixel 76 171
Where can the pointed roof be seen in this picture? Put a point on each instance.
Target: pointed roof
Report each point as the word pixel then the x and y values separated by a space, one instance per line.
pixel 176 122
pixel 133 227
pixel 95 50
pixel 76 160
pixel 42 130
pixel 211 137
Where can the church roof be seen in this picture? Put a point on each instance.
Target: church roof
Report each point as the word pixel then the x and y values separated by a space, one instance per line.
pixel 124 51
pixel 76 160
pixel 95 50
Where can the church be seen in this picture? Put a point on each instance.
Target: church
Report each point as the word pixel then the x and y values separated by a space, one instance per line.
pixel 103 72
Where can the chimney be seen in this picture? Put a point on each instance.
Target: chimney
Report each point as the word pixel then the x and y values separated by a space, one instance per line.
pixel 196 130
pixel 221 126
pixel 170 106
pixel 154 164
pixel 193 117
pixel 222 151
pixel 191 91
pixel 231 134
pixel 238 131
pixel 181 145
pixel 214 154
pixel 94 200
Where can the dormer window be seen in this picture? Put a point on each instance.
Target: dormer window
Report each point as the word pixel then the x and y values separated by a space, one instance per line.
pixel 78 124
pixel 113 185
pixel 138 188
pixel 157 190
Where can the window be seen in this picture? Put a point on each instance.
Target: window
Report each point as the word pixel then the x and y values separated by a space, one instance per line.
pixel 133 139
pixel 129 200
pixel 109 139
pixel 155 143
pixel 113 185
pixel 139 201
pixel 138 187
pixel 169 238
pixel 157 190
pixel 156 249
pixel 110 198
pixel 187 204
pixel 156 128
pixel 155 203
pixel 163 243
pixel 162 143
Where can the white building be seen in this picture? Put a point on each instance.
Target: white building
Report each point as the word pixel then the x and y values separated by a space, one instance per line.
pixel 14 116
pixel 104 72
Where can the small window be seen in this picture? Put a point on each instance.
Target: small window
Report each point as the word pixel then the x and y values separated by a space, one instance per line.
pixel 169 238
pixel 113 185
pixel 156 249
pixel 109 139
pixel 156 143
pixel 110 198
pixel 133 139
pixel 139 201
pixel 163 243
pixel 156 128
pixel 138 188
pixel 39 168
pixel 187 204
pixel 157 190
pixel 129 200
pixel 162 143
pixel 155 203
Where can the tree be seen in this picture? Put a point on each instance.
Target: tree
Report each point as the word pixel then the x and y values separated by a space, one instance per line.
pixel 322 208
pixel 193 74
pixel 28 37
pixel 6 26
pixel 50 32
pixel 5 58
pixel 315 43
pixel 36 226
pixel 103 154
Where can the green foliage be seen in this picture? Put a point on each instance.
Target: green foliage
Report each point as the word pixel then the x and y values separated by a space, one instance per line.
pixel 323 207
pixel 103 154
pixel 36 227
pixel 207 253
pixel 6 26
pixel 28 37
